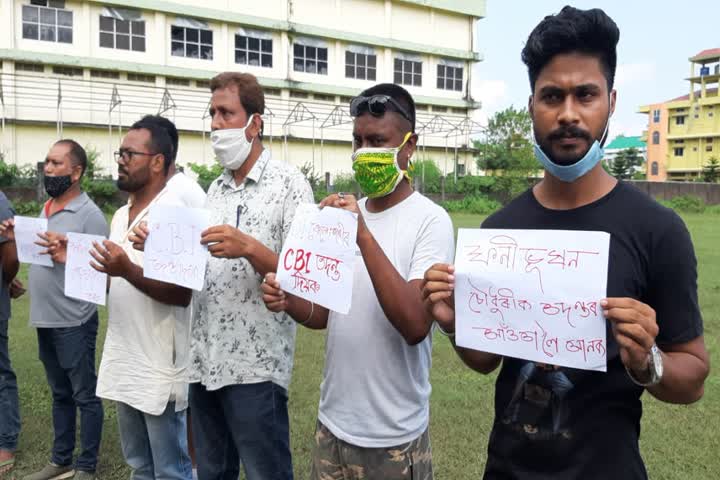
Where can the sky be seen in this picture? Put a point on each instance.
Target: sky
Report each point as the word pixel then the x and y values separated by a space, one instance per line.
pixel 656 40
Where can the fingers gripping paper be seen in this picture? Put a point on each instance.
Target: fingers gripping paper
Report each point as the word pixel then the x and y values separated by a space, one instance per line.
pixel 26 234
pixel 533 294
pixel 318 257
pixel 173 252
pixel 81 280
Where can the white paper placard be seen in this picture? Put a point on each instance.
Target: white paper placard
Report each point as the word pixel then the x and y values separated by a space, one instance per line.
pixel 26 234
pixel 173 252
pixel 318 258
pixel 533 294
pixel 81 280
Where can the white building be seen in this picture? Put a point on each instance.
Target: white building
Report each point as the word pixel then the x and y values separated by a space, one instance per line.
pixel 86 70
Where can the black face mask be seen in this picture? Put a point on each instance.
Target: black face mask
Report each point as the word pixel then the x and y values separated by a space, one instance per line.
pixel 56 186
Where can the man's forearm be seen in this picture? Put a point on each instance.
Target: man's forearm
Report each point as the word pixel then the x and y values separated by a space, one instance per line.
pixel 9 260
pixel 482 362
pixel 162 292
pixel 683 378
pixel 306 313
pixel 400 300
pixel 262 259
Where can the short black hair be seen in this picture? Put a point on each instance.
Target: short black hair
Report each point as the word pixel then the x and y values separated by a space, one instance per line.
pixel 167 125
pixel 591 32
pixel 160 139
pixel 397 93
pixel 77 153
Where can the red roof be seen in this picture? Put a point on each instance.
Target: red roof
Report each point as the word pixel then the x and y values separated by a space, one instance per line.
pixel 697 94
pixel 709 53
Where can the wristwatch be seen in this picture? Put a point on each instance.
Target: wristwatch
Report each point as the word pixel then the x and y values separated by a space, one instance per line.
pixel 654 369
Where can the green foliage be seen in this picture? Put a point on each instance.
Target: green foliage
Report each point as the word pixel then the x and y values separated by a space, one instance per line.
pixel 711 171
pixel 27 209
pixel 205 174
pixel 345 182
pixel 686 204
pixel 101 188
pixel 626 163
pixel 431 179
pixel 14 176
pixel 476 204
pixel 507 147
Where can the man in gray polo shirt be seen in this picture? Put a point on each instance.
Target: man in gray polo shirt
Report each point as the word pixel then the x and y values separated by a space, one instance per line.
pixel 67 328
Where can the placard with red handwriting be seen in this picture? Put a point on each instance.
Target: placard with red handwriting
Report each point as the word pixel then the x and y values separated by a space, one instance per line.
pixel 81 280
pixel 173 252
pixel 533 294
pixel 318 257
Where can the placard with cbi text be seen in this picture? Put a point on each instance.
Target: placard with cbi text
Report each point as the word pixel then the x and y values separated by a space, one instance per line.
pixel 317 261
pixel 533 295
pixel 173 252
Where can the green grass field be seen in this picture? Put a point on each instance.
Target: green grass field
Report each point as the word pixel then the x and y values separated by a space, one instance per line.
pixel 678 442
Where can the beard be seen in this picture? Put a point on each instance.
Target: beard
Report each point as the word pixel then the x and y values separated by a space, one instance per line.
pixel 133 183
pixel 566 156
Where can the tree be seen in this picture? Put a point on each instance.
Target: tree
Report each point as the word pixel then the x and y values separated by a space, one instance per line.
pixel 711 171
pixel 626 163
pixel 507 147
pixel 620 168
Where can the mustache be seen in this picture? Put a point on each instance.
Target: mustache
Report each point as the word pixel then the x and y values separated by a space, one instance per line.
pixel 571 131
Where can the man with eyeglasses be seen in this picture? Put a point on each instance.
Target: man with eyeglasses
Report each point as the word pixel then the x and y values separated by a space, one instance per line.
pixel 66 327
pixel 375 395
pixel 147 343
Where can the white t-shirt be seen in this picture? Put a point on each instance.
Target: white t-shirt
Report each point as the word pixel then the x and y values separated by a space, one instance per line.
pixel 144 361
pixel 186 190
pixel 376 388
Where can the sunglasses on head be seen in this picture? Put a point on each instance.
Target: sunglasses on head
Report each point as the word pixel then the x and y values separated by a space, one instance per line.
pixel 377 105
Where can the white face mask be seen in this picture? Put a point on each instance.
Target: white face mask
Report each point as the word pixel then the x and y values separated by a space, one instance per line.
pixel 231 146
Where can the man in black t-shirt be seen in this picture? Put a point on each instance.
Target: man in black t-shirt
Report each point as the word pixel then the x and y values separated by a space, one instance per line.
pixel 556 422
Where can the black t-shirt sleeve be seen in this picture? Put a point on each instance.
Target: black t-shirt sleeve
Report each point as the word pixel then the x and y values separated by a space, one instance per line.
pixel 673 285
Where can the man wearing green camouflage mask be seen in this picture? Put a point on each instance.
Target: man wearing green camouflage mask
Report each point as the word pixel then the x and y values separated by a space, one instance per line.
pixel 374 400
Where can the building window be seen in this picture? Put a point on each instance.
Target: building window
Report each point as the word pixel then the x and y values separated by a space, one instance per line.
pixel 459 111
pixel 310 59
pixel 324 98
pixel 708 144
pixel 656 116
pixel 256 52
pixel 460 169
pixel 679 151
pixel 177 82
pixel 122 34
pixel 449 78
pixel 680 120
pixel 202 84
pixel 654 169
pixel 656 138
pixel 296 94
pixel 105 74
pixel 408 72
pixel 47 20
pixel 139 77
pixel 192 42
pixel 68 71
pixel 360 65
pixel 29 67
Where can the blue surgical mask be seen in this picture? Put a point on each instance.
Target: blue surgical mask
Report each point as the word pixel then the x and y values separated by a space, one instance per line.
pixel 570 173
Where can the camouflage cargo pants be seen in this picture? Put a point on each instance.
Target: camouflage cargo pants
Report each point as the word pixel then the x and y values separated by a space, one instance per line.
pixel 333 459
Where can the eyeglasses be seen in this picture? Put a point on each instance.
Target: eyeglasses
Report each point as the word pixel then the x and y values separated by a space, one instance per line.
pixel 377 105
pixel 127 155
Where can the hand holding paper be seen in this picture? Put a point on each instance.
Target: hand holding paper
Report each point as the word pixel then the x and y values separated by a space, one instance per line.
pixel 317 261
pixel 81 280
pixel 173 252
pixel 27 234
pixel 533 294
pixel 438 289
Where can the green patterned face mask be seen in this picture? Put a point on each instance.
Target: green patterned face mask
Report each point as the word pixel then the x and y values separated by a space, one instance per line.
pixel 377 170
